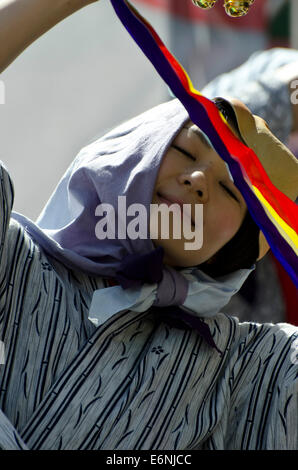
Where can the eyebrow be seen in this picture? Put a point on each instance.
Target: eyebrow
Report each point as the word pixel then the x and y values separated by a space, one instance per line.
pixel 204 140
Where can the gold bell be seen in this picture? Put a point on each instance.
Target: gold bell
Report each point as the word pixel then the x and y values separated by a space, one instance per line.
pixel 204 3
pixel 237 8
pixel 234 8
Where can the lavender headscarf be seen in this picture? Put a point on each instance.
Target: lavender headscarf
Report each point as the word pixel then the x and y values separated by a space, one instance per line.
pixel 123 162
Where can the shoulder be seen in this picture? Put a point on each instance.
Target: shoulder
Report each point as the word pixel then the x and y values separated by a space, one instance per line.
pixel 269 349
pixel 280 333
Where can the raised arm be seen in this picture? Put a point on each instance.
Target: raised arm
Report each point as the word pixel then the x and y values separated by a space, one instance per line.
pixel 24 21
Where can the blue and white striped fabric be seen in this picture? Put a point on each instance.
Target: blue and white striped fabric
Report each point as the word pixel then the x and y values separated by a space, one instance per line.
pixel 135 382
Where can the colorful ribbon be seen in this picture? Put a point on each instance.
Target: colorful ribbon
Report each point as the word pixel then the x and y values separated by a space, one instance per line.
pixel 274 212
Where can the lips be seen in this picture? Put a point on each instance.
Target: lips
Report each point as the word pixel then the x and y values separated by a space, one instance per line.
pixel 169 200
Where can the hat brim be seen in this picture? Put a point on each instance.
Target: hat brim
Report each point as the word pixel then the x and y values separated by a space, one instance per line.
pixel 278 161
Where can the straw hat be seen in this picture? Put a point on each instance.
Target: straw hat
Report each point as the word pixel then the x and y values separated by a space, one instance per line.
pixel 279 162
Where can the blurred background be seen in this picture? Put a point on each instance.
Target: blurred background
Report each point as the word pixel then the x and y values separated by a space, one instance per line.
pixel 86 75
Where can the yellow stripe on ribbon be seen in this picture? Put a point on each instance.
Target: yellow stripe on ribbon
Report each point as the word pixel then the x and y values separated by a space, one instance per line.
pixel 284 229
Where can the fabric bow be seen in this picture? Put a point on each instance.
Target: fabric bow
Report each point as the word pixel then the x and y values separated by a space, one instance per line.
pixel 179 297
pixel 136 269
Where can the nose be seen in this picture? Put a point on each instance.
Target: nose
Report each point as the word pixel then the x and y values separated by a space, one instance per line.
pixel 197 182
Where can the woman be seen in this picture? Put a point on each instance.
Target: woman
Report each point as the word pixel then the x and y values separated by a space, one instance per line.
pixel 89 365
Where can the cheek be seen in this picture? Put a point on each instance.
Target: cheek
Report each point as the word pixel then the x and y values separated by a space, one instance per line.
pixel 222 224
pixel 165 167
pixel 170 166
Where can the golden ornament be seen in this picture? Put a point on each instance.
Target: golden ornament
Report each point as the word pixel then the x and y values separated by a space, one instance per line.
pixel 204 3
pixel 237 8
pixel 234 8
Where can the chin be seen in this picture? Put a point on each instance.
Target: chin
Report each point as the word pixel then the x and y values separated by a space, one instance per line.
pixel 181 261
pixel 177 257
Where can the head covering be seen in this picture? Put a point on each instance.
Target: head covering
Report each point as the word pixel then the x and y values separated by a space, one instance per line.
pixel 278 161
pixel 280 164
pixel 125 162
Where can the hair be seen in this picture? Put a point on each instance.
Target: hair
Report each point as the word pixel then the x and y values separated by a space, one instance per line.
pixel 240 252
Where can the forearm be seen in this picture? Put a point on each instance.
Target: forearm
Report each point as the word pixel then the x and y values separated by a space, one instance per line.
pixel 23 21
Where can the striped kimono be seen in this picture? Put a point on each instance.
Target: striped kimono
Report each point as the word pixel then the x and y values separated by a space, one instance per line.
pixel 134 382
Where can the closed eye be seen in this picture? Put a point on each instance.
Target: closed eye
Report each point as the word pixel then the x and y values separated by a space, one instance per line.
pixel 185 152
pixel 228 190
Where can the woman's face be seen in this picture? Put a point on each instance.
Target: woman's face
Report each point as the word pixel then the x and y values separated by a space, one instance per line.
pixel 193 173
